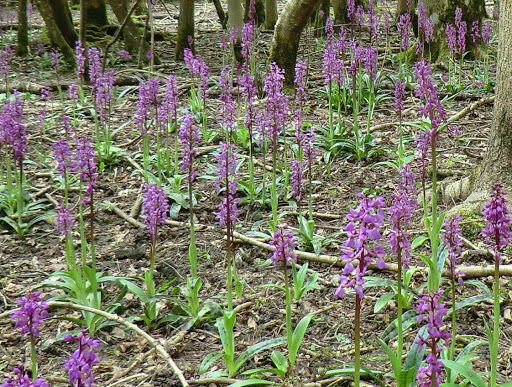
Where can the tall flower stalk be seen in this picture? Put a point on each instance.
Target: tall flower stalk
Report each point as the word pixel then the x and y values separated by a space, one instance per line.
pixel 361 246
pixel 30 315
pixel 275 119
pixel 426 147
pixel 497 234
pixel 227 213
pixel 189 137
pixel 452 237
pixel 155 209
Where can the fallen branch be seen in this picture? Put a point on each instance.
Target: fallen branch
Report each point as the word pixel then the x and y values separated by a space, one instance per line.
pixel 114 317
pixel 469 271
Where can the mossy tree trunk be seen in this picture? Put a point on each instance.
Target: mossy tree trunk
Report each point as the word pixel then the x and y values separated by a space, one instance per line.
pixel 96 11
pixel 285 42
pixel 22 44
pixel 132 36
pixel 55 33
pixel 185 28
pixel 497 162
pixel 443 12
pixel 63 19
pixel 270 14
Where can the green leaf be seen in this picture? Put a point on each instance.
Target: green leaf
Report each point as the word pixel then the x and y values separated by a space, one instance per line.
pixel 208 361
pixel 396 365
pixel 467 372
pixel 252 382
pixel 415 354
pixel 383 301
pixel 418 241
pixel 134 289
pixel 280 362
pixel 409 318
pixel 297 337
pixel 256 348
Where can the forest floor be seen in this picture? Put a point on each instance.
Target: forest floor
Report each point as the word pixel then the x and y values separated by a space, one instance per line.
pixel 122 247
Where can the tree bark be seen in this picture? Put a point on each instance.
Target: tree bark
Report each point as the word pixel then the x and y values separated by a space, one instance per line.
pixel 285 43
pixel 236 17
pixel 270 14
pixel 185 28
pixel 55 33
pixel 220 13
pixel 497 162
pixel 62 17
pixel 340 11
pixel 96 11
pixel 443 12
pixel 131 34
pixel 22 44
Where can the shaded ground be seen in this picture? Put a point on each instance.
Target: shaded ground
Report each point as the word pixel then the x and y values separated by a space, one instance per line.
pixel 123 248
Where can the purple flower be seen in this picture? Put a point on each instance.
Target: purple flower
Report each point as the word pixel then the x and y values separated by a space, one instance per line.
pixel 351 12
pixel 301 95
pixel 364 226
pixel 169 106
pixel 370 62
pixel 80 60
pixel 458 17
pixel 497 217
pixel 12 130
pixel 87 166
pixel 45 93
pixel 154 208
pixel 149 54
pixel 64 220
pixel 427 93
pixel 400 213
pixel 148 96
pixel 475 31
pixel 5 62
pixel 227 176
pixel 297 180
pixel 63 156
pixel 227 113
pixel 399 96
pixel 276 103
pixel 124 54
pixel 404 25
pixel 54 55
pixel 451 38
pixel 360 15
pixel 373 20
pixel 21 379
pixel 189 137
pixel 452 237
pixel 248 41
pixel 284 243
pixel 104 91
pixel 32 312
pixel 487 33
pixel 94 64
pixel 461 37
pixel 429 30
pixel 73 91
pixel 80 365
pixel 431 310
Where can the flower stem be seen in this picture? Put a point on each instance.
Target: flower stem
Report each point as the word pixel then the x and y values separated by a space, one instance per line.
pixel 496 327
pixel 33 356
pixel 357 342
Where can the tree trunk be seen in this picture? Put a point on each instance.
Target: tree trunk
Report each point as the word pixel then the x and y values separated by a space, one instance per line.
pixel 62 17
pixel 96 11
pixel 55 33
pixel 270 14
pixel 444 12
pixel 340 11
pixel 497 163
pixel 259 16
pixel 220 13
pixel 22 46
pixel 185 28
pixel 285 42
pixel 236 17
pixel 131 34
